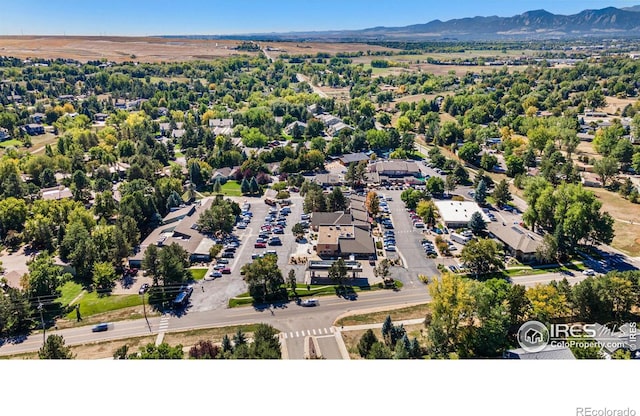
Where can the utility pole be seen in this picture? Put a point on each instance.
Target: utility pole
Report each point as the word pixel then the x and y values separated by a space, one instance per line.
pixel 44 339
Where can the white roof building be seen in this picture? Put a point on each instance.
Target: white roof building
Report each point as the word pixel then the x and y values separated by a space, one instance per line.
pixel 458 213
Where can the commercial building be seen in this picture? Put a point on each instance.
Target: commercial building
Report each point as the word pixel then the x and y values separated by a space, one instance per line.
pixel 456 214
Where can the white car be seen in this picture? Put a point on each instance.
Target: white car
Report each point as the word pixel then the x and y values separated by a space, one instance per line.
pixel 589 272
pixel 390 248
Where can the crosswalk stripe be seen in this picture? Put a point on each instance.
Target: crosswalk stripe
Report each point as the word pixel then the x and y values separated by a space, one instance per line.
pixel 314 332
pixel 331 329
pixel 284 335
pixel 325 330
pixel 296 334
pixel 291 334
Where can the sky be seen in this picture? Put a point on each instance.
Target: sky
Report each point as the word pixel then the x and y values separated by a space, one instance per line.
pixel 225 17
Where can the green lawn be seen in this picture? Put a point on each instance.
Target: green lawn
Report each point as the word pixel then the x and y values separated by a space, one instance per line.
pixel 69 292
pixel 92 304
pixel 12 142
pixel 231 188
pixel 198 274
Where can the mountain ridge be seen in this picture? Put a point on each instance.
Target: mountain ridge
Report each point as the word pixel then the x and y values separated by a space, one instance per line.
pixel 533 24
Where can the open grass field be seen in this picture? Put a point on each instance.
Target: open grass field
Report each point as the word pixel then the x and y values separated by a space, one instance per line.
pixel 152 49
pixel 615 105
pixel 410 312
pixel 627 238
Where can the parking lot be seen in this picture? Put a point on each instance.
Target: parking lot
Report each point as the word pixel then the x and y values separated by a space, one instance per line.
pixel 215 293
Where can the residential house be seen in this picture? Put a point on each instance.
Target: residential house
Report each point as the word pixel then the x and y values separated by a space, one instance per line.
pixel 56 193
pixel 548 353
pixel 296 124
pixel 100 117
pixel 224 174
pixel 37 117
pixel 33 129
pixel 221 126
pixel 4 134
pixel 328 179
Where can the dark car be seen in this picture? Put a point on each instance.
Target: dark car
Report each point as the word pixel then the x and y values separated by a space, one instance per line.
pixel 100 327
pixel 222 261
pixel 275 242
pixel 228 254
pixel 143 288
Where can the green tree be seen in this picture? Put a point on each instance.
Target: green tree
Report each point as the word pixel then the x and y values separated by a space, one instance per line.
pixel 427 210
pixel 488 161
pixel 54 349
pixel 515 165
pixel 435 185
pixel 80 186
pixel 480 195
pixel 104 275
pixel 501 193
pixel 336 200
pixel 244 186
pixel 217 186
pixel 366 342
pixel 151 263
pixel 159 352
pixel 173 265
pixel 482 256
pixel 253 186
pixel 219 217
pixel 13 214
pixel 477 224
pixel 45 277
pixel 291 279
pixel 338 271
pixel 469 152
pixel 264 278
pixel 606 168
pixel 379 351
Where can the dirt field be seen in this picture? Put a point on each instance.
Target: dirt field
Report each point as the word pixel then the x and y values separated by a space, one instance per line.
pixel 149 49
pixel 616 105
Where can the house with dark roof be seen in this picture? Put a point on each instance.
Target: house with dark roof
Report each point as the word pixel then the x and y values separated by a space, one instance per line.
pixel 329 218
pixel 33 129
pixel 350 158
pixel 344 241
pixel 395 168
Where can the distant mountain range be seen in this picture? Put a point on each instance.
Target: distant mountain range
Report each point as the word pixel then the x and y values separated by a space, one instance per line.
pixel 536 24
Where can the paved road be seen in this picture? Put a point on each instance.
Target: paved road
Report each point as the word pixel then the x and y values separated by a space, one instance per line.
pixel 303 78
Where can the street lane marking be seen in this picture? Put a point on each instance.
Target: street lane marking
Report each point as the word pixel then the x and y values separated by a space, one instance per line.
pixel 331 330
pixel 297 334
pixel 314 332
pixel 325 330
pixel 284 335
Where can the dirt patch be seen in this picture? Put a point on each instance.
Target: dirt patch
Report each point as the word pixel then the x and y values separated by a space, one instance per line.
pixel 618 207
pixel 615 105
pixel 400 314
pixel 626 238
pixel 103 350
pixel 215 335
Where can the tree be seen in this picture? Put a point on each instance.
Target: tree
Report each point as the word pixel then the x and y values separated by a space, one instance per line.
pixel 450 183
pixel 150 263
pixel 239 338
pixel 298 230
pixel 372 203
pixel 204 350
pixel 469 152
pixel 13 214
pixel 80 186
pixel 501 193
pixel 104 275
pixel 338 271
pixel 411 197
pixel 293 284
pixel 547 252
pixel 515 165
pixel 435 185
pixel 452 309
pixel 488 161
pixel 253 186
pixel 220 217
pixel 379 351
pixel 264 278
pixel 160 352
pixel 477 224
pixel 244 186
pixel 54 349
pixel 217 186
pixel 355 175
pixel 402 350
pixel 482 256
pixel 173 264
pixel 546 303
pixel 480 195
pixel 45 277
pixel 427 210
pixel 366 342
pixel 606 168
pixel 381 271
pixel 336 200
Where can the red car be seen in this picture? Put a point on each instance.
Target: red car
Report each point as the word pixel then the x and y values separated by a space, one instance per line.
pixel 226 270
pixel 260 245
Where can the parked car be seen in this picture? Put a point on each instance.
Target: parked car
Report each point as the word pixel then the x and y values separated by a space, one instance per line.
pixel 143 288
pixel 589 272
pixel 215 274
pixel 390 248
pixel 226 270
pixel 260 244
pixel 228 254
pixel 241 226
pixel 275 241
pixel 222 261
